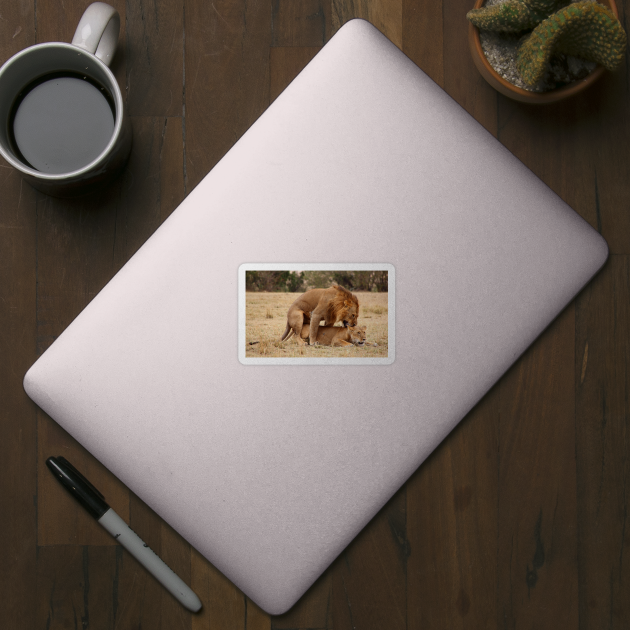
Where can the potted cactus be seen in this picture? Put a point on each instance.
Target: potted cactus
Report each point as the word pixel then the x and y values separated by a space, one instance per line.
pixel 558 49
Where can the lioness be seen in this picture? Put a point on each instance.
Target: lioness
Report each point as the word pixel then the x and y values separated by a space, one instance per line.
pixel 338 336
pixel 333 305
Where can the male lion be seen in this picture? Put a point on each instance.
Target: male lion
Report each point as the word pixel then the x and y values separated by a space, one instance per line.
pixel 333 305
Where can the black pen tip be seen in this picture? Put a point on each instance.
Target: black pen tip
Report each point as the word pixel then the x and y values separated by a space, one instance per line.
pixel 78 486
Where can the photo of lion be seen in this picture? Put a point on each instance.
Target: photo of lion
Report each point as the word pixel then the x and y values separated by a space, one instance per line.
pixel 347 312
pixel 331 305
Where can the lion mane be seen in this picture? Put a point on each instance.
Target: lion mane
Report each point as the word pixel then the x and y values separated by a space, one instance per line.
pixel 341 304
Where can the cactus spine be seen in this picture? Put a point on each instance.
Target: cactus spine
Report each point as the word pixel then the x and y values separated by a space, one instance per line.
pixel 583 29
pixel 513 16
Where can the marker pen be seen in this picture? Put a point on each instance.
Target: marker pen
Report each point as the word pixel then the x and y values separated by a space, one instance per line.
pixel 94 502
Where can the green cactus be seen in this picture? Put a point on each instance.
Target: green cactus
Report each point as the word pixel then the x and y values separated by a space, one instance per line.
pixel 513 16
pixel 584 29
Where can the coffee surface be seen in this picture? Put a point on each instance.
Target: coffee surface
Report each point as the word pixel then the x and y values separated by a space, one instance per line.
pixel 62 124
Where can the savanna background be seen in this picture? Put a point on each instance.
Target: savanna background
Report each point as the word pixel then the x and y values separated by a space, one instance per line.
pixel 269 294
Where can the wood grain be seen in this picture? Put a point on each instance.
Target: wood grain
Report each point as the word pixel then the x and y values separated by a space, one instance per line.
pixel 369 577
pixel 285 64
pixel 76 587
pixel 609 133
pixel 461 79
pixel 224 606
pixel 18 416
pixel 226 78
pixel 151 187
pixel 154 57
pixel 573 149
pixel 602 380
pixel 386 15
pixel 452 515
pixel 313 609
pixel 422 36
pixel 537 534
pixel 298 24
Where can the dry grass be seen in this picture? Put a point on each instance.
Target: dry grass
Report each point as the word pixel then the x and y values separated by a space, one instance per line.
pixel 266 319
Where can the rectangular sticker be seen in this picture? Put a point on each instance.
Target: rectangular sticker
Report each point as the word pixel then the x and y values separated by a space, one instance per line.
pixel 344 313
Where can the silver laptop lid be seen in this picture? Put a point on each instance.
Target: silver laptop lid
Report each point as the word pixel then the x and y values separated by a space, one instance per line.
pixel 270 470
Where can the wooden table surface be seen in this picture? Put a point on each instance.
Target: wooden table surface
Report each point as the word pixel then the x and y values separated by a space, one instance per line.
pixel 518 520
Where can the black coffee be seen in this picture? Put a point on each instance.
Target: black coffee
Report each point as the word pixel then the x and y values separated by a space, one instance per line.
pixel 61 123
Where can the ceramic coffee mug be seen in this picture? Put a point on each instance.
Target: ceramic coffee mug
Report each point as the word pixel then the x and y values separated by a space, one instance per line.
pixel 62 115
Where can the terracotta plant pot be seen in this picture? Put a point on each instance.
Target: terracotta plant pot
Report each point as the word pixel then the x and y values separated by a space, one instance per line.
pixel 519 94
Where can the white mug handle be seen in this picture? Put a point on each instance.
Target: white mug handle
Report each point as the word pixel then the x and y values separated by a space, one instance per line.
pixel 98 31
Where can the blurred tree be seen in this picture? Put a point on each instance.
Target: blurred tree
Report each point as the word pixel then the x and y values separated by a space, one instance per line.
pixel 318 279
pixel 274 281
pixel 370 280
pixel 381 280
pixel 346 279
pixel 295 281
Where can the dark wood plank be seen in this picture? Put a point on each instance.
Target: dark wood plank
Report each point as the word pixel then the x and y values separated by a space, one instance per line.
pixel 18 416
pixel 313 609
pixel 452 527
pixel 608 126
pixel 285 64
pixel 171 159
pixel 255 618
pixel 537 537
pixel 386 15
pixel 603 443
pixel 558 147
pixel 74 248
pixel 224 606
pixel 574 147
pixel 422 36
pixel 461 78
pixel 152 185
pixel 226 78
pixel 76 587
pixel 18 422
pixel 17 28
pixel 154 57
pixel 608 135
pixel 369 577
pixel 300 23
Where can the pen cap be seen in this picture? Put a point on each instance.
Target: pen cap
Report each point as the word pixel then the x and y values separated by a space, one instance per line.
pixel 78 486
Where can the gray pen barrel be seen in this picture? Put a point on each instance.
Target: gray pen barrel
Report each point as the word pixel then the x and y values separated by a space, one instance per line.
pixel 149 559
